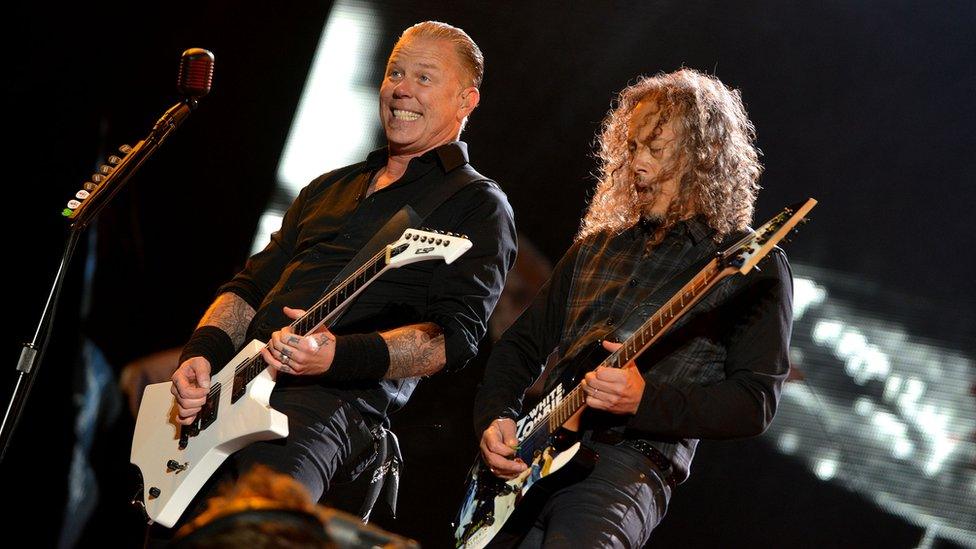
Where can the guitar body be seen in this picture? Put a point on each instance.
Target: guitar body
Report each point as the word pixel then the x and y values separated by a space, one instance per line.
pixel 156 444
pixel 501 512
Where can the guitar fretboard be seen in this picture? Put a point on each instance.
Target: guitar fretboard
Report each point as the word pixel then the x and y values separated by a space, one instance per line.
pixel 318 313
pixel 651 329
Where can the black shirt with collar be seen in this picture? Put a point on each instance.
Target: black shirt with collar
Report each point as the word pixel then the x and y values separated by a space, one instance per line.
pixel 717 373
pixel 329 222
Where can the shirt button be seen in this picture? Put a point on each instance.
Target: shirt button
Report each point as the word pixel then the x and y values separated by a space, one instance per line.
pixel 632 282
pixel 610 321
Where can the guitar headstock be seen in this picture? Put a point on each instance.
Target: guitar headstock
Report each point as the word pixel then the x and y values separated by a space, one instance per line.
pixel 424 244
pixel 745 254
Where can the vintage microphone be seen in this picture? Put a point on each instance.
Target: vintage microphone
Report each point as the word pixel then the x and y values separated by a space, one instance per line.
pixel 193 82
pixel 195 76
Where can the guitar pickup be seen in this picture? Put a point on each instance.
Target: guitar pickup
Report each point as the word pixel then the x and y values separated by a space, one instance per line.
pixel 240 386
pixel 208 414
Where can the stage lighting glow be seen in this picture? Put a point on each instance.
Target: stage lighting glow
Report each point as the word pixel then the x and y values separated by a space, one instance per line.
pixel 789 442
pixel 806 293
pixel 336 120
pixel 880 410
pixel 826 469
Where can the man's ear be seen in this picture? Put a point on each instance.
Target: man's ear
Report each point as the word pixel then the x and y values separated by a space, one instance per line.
pixel 470 97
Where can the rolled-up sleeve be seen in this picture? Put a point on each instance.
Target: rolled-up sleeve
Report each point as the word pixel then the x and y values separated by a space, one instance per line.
pixel 462 295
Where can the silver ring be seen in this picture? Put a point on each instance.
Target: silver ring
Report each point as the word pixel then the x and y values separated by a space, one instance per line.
pixel 285 358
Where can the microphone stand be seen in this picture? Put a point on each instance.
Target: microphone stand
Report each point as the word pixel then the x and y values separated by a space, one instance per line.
pixel 82 215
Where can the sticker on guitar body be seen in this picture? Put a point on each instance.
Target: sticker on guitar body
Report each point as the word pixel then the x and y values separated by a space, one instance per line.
pixel 541 409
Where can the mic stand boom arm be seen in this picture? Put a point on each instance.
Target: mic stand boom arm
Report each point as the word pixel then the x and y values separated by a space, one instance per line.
pixel 32 353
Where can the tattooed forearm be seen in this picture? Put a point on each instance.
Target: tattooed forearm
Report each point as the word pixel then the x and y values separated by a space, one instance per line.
pixel 415 350
pixel 231 314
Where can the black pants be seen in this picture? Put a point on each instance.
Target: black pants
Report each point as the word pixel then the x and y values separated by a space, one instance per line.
pixel 328 440
pixel 618 505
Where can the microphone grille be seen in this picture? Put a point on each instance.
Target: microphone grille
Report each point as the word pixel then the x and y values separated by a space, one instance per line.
pixel 196 73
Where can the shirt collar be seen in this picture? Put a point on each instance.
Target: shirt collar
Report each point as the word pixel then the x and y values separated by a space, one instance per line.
pixel 695 228
pixel 448 156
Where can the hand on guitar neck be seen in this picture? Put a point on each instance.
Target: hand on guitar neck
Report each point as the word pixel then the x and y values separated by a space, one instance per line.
pixel 614 390
pixel 298 355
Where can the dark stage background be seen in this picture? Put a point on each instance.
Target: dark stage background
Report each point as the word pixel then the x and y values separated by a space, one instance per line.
pixel 867 106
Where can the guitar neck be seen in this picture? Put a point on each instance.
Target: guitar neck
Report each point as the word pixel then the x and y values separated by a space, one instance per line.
pixel 334 302
pixel 649 332
pixel 325 310
pixel 740 258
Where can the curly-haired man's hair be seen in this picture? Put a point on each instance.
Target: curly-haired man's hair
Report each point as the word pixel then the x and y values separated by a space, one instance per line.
pixel 716 157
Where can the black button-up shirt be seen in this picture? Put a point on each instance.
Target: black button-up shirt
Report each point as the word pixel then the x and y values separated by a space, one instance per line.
pixel 329 222
pixel 716 374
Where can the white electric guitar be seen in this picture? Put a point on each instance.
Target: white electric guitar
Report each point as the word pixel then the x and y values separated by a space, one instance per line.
pixel 176 460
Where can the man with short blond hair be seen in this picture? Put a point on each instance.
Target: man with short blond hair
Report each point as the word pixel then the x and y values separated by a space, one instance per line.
pixel 337 386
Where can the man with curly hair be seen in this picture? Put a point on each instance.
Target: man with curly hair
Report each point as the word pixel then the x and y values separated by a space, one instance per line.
pixel 677 183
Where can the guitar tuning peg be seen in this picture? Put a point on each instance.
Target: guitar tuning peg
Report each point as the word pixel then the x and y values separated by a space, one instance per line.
pixel 105 169
pixel 125 149
pixel 89 186
pixel 97 178
pixel 114 160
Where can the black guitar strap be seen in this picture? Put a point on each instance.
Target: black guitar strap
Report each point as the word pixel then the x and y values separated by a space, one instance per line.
pixel 411 215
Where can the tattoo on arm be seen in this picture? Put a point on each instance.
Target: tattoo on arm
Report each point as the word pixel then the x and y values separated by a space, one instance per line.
pixel 230 313
pixel 415 350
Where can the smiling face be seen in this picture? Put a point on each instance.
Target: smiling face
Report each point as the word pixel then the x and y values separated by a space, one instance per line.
pixel 423 102
pixel 654 159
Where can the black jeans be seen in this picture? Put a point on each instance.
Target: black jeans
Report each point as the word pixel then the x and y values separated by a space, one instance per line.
pixel 618 505
pixel 327 440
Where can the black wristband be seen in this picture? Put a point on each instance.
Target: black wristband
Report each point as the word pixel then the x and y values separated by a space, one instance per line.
pixel 359 357
pixel 211 343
